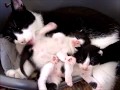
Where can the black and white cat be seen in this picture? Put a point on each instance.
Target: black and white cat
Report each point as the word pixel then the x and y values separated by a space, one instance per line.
pixel 101 31
pixel 20 28
pixel 22 24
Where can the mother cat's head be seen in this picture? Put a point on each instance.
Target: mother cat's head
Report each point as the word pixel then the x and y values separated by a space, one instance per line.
pixel 22 24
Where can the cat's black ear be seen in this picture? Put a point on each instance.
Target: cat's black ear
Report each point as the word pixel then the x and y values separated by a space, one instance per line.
pixel 17 5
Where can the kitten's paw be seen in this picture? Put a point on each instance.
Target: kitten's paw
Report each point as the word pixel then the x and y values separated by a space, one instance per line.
pixel 71 60
pixel 52 25
pixel 68 80
pixel 12 73
pixel 54 59
pixel 69 83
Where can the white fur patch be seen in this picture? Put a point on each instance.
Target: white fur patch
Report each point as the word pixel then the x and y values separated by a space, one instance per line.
pixel 103 42
pixel 100 52
pixel 86 62
pixel 12 73
pixel 82 41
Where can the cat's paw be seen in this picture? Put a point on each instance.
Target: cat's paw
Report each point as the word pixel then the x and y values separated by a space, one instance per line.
pixel 42 88
pixel 52 25
pixel 71 60
pixel 54 59
pixel 12 73
pixel 69 81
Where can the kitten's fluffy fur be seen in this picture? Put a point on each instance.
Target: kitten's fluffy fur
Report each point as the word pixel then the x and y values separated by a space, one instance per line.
pixel 46 54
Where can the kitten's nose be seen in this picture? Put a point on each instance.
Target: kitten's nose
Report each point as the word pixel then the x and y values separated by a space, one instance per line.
pixel 85 67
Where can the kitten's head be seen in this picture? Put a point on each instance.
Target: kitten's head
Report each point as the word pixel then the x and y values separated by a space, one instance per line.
pixel 90 52
pixel 21 24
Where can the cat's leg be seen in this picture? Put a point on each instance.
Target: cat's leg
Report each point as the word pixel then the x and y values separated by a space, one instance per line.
pixel 53 82
pixel 17 72
pixel 54 78
pixel 45 72
pixel 69 62
pixel 61 55
pixel 47 28
pixel 69 65
pixel 86 71
pixel 86 74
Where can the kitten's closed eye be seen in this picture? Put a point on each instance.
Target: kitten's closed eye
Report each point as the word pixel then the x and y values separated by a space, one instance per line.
pixel 80 60
pixel 94 61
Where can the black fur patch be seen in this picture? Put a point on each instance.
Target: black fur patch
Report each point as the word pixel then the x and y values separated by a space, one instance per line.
pixel 111 53
pixel 62 69
pixel 93 84
pixel 51 86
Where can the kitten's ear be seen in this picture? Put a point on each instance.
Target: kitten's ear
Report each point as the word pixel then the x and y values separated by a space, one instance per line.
pixel 17 5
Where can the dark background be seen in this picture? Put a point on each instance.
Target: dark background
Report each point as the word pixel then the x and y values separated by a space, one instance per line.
pixel 108 7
